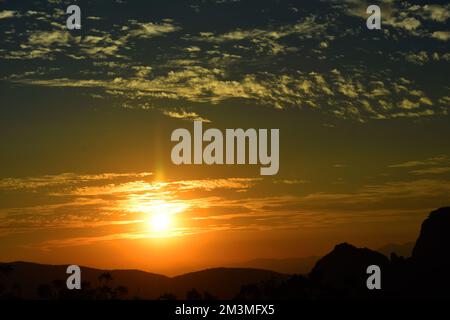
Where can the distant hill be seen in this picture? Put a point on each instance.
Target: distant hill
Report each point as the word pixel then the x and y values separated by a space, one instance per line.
pixel 288 266
pixel 402 250
pixel 25 278
pixel 224 282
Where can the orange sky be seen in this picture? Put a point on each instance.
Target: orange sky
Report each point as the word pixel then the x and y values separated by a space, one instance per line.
pixel 86 118
pixel 108 220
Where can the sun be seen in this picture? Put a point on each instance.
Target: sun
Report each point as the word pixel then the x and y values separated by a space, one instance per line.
pixel 160 216
pixel 160 222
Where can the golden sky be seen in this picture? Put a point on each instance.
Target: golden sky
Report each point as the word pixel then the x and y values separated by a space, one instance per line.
pixel 86 118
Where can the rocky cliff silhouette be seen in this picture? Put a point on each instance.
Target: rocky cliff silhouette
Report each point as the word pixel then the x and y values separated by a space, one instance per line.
pixel 341 274
pixel 432 248
pixel 430 261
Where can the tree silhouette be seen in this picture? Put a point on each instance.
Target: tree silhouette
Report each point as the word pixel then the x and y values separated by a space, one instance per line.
pixel 168 296
pixel 58 287
pixel 208 296
pixel 120 292
pixel 5 271
pixel 105 277
pixel 193 295
pixel 105 291
pixel 46 292
pixel 250 292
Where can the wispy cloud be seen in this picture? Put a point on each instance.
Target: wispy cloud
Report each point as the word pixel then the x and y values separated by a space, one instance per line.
pixel 404 16
pixel 416 163
pixel 198 63
pixel 31 183
pixel 5 14
pixel 150 29
pixel 267 40
pixel 358 98
pixel 185 115
pixel 433 170
pixel 441 35
pixel 105 207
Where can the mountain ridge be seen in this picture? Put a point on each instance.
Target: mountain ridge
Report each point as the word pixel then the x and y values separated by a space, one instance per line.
pixel 340 274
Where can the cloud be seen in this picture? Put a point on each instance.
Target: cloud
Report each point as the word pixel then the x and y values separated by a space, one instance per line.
pixel 74 201
pixel 291 181
pixel 267 40
pixel 5 14
pixel 184 115
pixel 114 183
pixel 93 18
pixel 391 15
pixel 408 105
pixel 436 12
pixel 419 58
pixel 383 194
pixel 243 62
pixel 307 28
pixel 150 29
pixel 41 44
pixel 101 51
pixel 417 163
pixel 441 35
pixel 431 166
pixel 404 16
pixel 98 44
pixel 49 181
pixel 358 98
pixel 112 206
pixel 49 38
pixel 193 49
pixel 212 184
pixel 434 170
pixel 406 23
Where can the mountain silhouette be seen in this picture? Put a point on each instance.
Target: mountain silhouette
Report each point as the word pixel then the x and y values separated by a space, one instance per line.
pixel 23 280
pixel 340 274
pixel 404 249
pixel 286 266
pixel 430 261
pixel 433 245
pixel 343 270
pixel 224 282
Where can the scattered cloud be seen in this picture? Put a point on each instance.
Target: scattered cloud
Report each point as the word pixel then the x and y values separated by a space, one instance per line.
pixel 430 161
pixel 197 63
pixel 433 170
pixel 441 35
pixel 184 115
pixel 150 29
pixel 358 98
pixel 419 58
pixel 436 12
pixel 5 14
pixel 431 166
pixel 48 181
pixel 204 205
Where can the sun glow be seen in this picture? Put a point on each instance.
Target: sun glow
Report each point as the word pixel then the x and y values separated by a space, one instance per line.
pixel 160 222
pixel 160 215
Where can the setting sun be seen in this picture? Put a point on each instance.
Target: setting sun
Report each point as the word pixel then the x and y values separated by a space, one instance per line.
pixel 160 215
pixel 160 222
